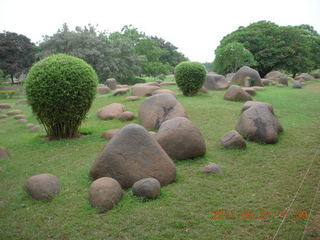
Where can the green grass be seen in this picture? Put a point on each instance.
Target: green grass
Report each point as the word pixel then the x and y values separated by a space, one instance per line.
pixel 262 177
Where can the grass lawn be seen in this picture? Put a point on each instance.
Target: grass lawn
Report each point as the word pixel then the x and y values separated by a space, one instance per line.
pixel 262 179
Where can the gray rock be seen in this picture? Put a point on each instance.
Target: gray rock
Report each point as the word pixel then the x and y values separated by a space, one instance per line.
pixel 212 168
pixel 111 83
pixel 236 93
pixel 157 109
pixel 120 91
pixel 273 75
pixel 43 186
pixel 304 77
pixel 147 187
pixel 249 104
pixel 258 124
pixel 233 140
pixel 283 81
pixel 103 89
pixel 296 84
pixel 104 193
pixel 163 91
pixel 181 139
pixel 126 116
pixel 250 90
pixel 247 76
pixel 5 105
pixel 215 82
pixel 131 155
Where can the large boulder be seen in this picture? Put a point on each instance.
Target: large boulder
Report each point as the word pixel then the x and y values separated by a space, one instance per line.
pixel 104 193
pixel 43 186
pixel 236 93
pixel 111 83
pixel 258 124
pixel 215 82
pixel 304 77
pixel 158 108
pixel 147 187
pixel 181 139
pixel 247 76
pixel 3 153
pixel 249 104
pixel 273 75
pixel 160 91
pixel 131 155
pixel 143 89
pixel 111 111
pixel 233 140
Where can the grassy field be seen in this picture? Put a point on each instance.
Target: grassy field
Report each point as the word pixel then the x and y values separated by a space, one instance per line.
pixel 262 179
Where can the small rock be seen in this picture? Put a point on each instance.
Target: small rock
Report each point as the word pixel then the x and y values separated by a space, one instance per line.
pixel 212 168
pixel 111 111
pixel 3 116
pixel 203 90
pixel 14 112
pixel 250 90
pixel 29 125
pixel 22 121
pixel 109 134
pixel 21 102
pixel 296 84
pixel 147 187
pixel 104 193
pixel 233 140
pixel 126 116
pixel 19 116
pixel 120 91
pixel 43 186
pixel 1 169
pixel 132 98
pixel 35 128
pixel 103 89
pixel 236 93
pixel 3 153
pixel 280 85
pixel 5 105
pixel 257 88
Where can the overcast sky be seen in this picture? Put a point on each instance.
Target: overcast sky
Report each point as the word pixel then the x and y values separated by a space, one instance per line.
pixel 195 27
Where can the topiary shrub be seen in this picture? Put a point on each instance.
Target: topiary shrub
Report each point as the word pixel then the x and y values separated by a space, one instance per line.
pixel 190 77
pixel 60 90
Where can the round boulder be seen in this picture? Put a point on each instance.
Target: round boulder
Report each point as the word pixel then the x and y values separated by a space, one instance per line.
pixel 143 89
pixel 131 155
pixel 103 89
pixel 120 91
pixel 236 93
pixel 126 116
pixel 181 139
pixel 147 187
pixel 43 186
pixel 247 76
pixel 296 84
pixel 212 168
pixel 3 153
pixel 158 108
pixel 109 134
pixel 273 75
pixel 111 111
pixel 304 77
pixel 104 193
pixel 215 82
pixel 233 140
pixel 111 83
pixel 14 112
pixel 249 104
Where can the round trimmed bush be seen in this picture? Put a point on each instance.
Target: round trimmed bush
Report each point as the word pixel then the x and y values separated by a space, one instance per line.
pixel 190 77
pixel 60 90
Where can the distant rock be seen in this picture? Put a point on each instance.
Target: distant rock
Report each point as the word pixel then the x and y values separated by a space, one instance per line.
pixel 249 104
pixel 212 168
pixel 126 116
pixel 111 111
pixel 181 139
pixel 236 93
pixel 215 82
pixel 104 193
pixel 304 77
pixel 120 91
pixel 111 83
pixel 3 116
pixel 167 83
pixel 29 125
pixel 250 90
pixel 21 102
pixel 296 84
pixel 147 187
pixel 22 121
pixel 283 81
pixel 131 155
pixel 273 75
pixel 103 89
pixel 161 91
pixel 158 108
pixel 19 116
pixel 203 90
pixel 14 112
pixel 233 140
pixel 247 76
pixel 5 105
pixel 142 89
pixel 35 128
pixel 43 186
pixel 132 98
pixel 266 82
pixel 109 134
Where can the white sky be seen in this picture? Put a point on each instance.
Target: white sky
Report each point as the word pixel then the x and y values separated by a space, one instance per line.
pixel 195 27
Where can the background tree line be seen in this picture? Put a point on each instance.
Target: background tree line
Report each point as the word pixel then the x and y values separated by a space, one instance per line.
pixel 122 55
pixel 266 46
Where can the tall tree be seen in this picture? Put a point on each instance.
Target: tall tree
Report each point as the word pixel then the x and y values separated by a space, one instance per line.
pixel 16 53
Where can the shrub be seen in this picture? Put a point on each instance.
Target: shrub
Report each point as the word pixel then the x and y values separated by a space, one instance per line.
pixel 60 90
pixel 7 94
pixel 190 77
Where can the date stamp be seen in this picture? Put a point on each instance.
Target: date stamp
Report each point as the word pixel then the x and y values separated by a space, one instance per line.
pixel 261 214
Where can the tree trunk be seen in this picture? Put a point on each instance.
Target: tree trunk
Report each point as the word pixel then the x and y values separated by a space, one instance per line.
pixel 12 82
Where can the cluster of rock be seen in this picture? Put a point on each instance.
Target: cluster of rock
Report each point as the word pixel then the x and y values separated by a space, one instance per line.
pixel 115 110
pixel 247 76
pixel 215 81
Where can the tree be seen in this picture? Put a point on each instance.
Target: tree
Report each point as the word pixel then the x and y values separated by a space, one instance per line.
pixel 273 47
pixel 231 57
pixel 16 53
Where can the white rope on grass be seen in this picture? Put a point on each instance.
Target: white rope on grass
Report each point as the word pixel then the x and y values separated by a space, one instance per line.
pixel 313 202
pixel 296 194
